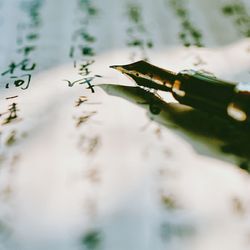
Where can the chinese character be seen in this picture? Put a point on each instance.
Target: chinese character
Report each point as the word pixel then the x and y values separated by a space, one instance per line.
pixel 23 65
pixel 11 113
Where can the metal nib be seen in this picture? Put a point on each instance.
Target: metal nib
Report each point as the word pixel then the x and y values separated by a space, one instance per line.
pixel 117 67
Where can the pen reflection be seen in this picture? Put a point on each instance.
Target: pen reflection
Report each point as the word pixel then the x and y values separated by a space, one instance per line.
pixel 223 138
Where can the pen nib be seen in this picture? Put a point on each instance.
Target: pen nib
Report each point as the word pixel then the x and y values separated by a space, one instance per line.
pixel 117 67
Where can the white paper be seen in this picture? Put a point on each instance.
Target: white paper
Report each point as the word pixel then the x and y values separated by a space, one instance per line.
pixel 83 170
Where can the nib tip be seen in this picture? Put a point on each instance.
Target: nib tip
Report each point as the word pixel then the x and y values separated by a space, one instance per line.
pixel 117 67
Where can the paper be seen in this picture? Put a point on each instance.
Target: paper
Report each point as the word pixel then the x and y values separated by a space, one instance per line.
pixel 90 167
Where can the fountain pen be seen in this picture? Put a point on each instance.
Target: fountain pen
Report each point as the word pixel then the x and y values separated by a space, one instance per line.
pixel 197 89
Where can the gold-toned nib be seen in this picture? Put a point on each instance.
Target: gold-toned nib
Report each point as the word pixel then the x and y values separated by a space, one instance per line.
pixel 117 67
pixel 148 75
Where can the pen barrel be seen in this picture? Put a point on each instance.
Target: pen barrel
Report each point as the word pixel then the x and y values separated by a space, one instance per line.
pixel 208 93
